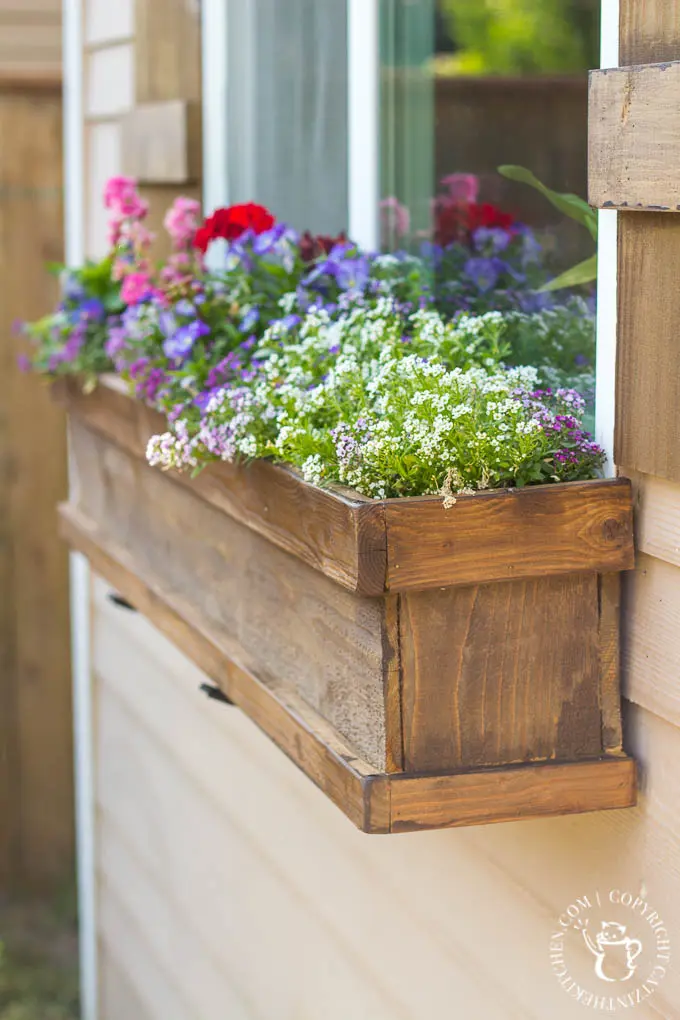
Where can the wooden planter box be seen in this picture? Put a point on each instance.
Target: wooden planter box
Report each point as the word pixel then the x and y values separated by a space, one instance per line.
pixel 424 666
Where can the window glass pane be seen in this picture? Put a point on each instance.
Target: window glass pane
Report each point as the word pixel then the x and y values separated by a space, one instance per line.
pixel 468 86
pixel 287 109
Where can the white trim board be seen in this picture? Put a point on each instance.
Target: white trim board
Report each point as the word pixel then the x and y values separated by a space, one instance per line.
pixel 607 255
pixel 83 728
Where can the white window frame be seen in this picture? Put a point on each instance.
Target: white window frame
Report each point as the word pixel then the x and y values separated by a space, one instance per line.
pixel 607 257
pixel 363 56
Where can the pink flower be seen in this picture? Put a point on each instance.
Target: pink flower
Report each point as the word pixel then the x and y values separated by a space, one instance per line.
pixel 136 287
pixel 395 219
pixel 462 187
pixel 181 221
pixel 122 197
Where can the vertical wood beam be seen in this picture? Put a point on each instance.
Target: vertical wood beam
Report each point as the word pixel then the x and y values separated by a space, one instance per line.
pixel 36 778
pixel 648 354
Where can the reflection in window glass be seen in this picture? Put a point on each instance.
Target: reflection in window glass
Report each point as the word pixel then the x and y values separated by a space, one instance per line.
pixel 468 86
pixel 287 109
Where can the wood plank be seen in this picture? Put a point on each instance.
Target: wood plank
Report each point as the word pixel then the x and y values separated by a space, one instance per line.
pixel 366 796
pixel 651 651
pixel 648 367
pixel 162 142
pixel 510 794
pixel 647 434
pixel 308 740
pixel 36 780
pixel 610 661
pixel 494 673
pixel 509 534
pixel 634 137
pixel 270 612
pixel 167 50
pixel 343 537
pixel 531 532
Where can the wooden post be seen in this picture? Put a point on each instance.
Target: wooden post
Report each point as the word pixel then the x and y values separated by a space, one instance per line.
pixel 36 783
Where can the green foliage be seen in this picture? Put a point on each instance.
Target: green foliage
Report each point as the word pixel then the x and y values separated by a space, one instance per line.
pixel 393 405
pixel 522 36
pixel 576 209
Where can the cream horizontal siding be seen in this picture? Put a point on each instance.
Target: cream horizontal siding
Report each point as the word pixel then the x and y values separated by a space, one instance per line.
pixel 208 828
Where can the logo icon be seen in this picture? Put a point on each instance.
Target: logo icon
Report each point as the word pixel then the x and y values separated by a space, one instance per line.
pixel 610 950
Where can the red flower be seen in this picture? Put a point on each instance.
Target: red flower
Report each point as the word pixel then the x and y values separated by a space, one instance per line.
pixel 456 221
pixel 313 246
pixel 231 223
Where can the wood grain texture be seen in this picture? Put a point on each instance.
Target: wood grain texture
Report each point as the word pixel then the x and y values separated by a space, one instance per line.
pixel 161 142
pixel 500 535
pixel 634 137
pixel 648 366
pixel 502 795
pixel 509 534
pixel 30 38
pixel 36 779
pixel 297 730
pixel 167 50
pixel 376 802
pixel 273 614
pixel 610 661
pixel 647 436
pixel 342 536
pixel 501 673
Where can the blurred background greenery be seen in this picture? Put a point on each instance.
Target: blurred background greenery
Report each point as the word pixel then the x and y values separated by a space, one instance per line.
pixel 514 37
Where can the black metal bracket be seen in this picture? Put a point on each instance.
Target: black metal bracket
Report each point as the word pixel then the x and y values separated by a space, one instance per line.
pixel 215 693
pixel 121 602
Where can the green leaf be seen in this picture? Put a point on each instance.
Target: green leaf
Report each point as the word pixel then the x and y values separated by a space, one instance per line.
pixel 570 205
pixel 583 272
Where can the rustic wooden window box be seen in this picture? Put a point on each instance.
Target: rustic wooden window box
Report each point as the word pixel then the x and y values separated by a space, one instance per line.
pixel 424 666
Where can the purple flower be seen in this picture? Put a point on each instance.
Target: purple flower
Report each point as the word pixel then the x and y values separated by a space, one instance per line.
pixel 116 341
pixel 249 320
pixel 182 340
pixel 352 274
pixel 287 323
pixel 92 310
pixel 484 272
pixel 185 308
pixel 493 239
pixel 167 323
pixel 23 363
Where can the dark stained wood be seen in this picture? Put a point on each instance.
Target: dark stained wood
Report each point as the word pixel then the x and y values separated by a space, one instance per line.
pixel 648 359
pixel 270 612
pixel 296 728
pixel 375 802
pixel 445 680
pixel 501 673
pixel 511 794
pixel 508 534
pixel 634 138
pixel 342 537
pixel 610 661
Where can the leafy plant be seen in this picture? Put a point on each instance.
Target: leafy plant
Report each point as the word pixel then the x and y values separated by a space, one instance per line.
pixel 575 208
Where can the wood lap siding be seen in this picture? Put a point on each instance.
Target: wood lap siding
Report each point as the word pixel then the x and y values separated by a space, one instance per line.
pixel 30 39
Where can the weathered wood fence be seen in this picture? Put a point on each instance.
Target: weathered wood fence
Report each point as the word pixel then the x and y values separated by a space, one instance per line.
pixel 36 783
